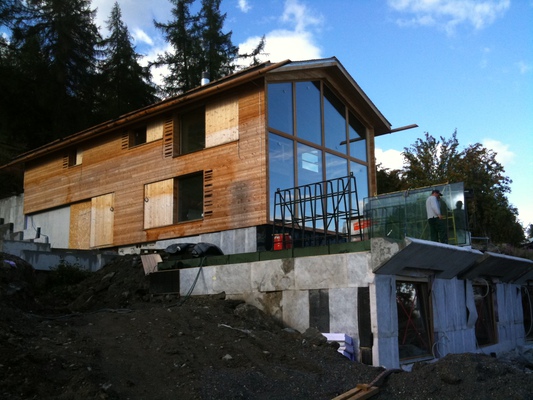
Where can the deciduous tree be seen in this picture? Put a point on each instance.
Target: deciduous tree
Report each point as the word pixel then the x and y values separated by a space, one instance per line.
pixel 430 162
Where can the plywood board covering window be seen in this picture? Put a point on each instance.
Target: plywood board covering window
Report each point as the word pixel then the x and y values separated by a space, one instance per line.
pixel 154 131
pixel 159 200
pixel 102 220
pixel 222 122
pixel 80 225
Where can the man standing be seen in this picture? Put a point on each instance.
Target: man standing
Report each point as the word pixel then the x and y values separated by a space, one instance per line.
pixel 437 229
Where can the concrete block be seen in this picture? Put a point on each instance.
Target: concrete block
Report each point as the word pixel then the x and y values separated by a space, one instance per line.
pixel 17 247
pixel 270 303
pixel 197 281
pixel 320 272
pixel 343 311
pixel 358 269
pixel 273 275
pixel 232 278
pixel 295 305
pixel 382 250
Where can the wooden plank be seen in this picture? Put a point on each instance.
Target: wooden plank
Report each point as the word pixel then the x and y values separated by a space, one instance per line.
pixel 235 186
pixel 159 204
pixel 222 122
pixel 102 220
pixel 154 130
pixel 80 226
pixel 358 393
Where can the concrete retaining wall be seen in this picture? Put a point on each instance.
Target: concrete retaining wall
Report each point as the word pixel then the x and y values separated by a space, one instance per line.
pixel 305 291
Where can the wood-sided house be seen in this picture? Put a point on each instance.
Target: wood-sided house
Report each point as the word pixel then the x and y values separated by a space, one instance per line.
pixel 206 162
pixel 205 166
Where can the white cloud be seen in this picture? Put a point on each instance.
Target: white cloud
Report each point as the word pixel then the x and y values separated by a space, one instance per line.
pixel 244 6
pixel 448 14
pixel 141 36
pixel 503 155
pixel 297 14
pixel 391 159
pixel 295 43
pixel 523 67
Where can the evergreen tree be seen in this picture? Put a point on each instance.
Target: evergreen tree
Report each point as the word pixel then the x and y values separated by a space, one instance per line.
pixel 52 58
pixel 124 84
pixel 199 45
pixel 183 62
pixel 218 54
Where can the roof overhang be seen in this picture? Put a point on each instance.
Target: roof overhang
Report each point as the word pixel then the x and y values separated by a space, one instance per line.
pixel 161 107
pixel 502 267
pixel 417 257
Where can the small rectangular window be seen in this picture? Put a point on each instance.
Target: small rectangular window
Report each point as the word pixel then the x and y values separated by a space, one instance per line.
pixel 72 158
pixel 137 136
pixel 192 131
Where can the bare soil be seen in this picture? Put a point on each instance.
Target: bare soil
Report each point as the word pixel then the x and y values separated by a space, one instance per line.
pixel 109 338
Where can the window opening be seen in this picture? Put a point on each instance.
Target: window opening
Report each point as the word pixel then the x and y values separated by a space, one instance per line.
pixel 414 319
pixel 486 317
pixel 73 158
pixel 192 131
pixel 190 194
pixel 138 136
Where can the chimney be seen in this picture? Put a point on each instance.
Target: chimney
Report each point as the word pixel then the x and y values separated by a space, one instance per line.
pixel 205 78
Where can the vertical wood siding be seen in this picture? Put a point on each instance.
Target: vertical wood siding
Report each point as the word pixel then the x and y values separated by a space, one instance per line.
pixel 235 189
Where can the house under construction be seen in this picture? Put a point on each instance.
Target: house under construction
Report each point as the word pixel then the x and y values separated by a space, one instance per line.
pixel 275 166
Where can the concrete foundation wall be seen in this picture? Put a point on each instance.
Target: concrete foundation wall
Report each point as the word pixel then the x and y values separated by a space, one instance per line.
pixel 235 241
pixel 288 289
pixel 54 227
pixel 12 211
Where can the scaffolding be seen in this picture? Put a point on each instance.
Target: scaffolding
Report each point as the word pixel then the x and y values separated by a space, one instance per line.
pixel 319 213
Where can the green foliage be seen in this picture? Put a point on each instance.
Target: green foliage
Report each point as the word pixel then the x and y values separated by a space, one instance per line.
pixel 430 162
pixel 198 45
pixel 50 59
pixel 65 274
pixel 124 85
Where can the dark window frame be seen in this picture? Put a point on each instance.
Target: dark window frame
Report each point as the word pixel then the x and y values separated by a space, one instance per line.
pixel 185 136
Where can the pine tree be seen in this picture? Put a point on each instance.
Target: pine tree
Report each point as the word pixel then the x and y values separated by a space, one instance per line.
pixel 199 46
pixel 218 53
pixel 124 84
pixel 54 49
pixel 183 62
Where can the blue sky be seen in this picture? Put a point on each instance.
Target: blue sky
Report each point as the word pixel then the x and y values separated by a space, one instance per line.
pixel 441 64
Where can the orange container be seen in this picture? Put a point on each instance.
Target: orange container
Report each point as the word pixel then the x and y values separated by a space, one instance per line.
pixel 282 241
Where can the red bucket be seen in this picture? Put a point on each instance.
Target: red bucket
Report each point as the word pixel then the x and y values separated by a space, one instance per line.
pixel 282 241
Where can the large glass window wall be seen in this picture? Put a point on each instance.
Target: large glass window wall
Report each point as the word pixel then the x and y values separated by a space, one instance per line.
pixel 313 137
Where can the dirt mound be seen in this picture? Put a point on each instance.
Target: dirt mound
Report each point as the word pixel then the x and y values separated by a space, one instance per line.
pixel 107 337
